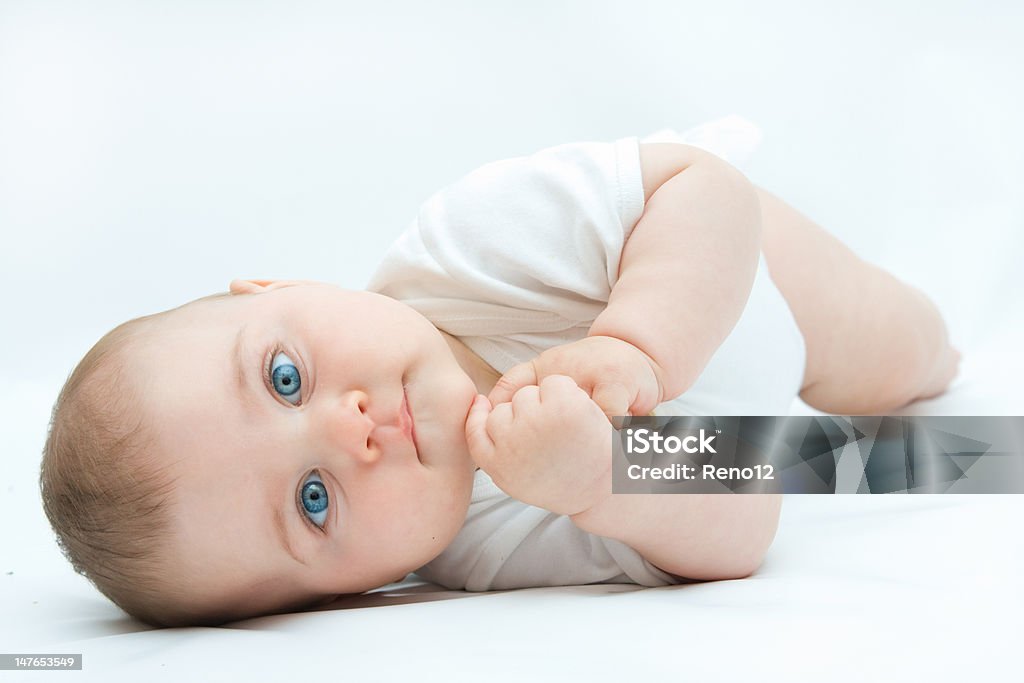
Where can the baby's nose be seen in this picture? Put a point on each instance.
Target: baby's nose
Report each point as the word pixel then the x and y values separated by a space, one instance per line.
pixel 350 429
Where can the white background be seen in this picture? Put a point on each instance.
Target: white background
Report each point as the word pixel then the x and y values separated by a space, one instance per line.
pixel 152 151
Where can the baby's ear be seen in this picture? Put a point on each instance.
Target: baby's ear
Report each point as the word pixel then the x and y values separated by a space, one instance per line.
pixel 239 286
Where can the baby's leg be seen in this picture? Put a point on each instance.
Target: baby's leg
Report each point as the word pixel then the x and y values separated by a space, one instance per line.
pixel 873 342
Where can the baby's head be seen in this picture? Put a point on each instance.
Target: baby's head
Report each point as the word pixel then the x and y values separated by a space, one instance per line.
pixel 252 452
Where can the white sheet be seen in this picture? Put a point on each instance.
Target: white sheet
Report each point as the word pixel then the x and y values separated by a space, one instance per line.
pixel 854 588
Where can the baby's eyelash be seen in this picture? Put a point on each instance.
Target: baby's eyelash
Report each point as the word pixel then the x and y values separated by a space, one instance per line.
pixel 267 360
pixel 267 381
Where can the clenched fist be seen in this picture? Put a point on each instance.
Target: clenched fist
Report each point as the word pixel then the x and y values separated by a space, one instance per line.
pixel 550 446
pixel 618 376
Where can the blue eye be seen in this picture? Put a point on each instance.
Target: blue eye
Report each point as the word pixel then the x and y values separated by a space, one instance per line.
pixel 284 377
pixel 314 500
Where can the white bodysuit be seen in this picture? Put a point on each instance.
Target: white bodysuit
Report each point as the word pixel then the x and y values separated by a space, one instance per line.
pixel 521 255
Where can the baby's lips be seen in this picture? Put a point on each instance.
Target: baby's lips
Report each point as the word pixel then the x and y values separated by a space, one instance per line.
pixel 408 423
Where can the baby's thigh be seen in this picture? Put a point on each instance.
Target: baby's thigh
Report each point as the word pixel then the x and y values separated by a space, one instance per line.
pixel 816 274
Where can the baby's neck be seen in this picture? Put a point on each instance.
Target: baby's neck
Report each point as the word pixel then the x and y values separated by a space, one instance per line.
pixel 484 377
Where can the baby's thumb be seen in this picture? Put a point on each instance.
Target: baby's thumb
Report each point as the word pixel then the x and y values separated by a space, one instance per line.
pixel 477 440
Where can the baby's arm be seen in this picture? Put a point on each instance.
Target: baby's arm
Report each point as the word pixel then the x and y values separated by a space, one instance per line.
pixel 550 447
pixel 700 233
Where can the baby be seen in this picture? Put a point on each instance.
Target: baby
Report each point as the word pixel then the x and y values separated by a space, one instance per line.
pixel 269 448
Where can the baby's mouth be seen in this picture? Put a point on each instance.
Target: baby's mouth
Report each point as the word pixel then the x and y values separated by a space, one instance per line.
pixel 408 423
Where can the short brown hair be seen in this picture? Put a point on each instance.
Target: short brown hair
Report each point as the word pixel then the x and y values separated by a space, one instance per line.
pixel 104 491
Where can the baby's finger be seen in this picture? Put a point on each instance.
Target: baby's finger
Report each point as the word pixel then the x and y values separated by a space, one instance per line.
pixel 557 385
pixel 613 398
pixel 480 445
pixel 520 375
pixel 525 398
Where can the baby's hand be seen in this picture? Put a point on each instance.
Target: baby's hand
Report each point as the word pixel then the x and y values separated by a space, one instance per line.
pixel 551 446
pixel 618 376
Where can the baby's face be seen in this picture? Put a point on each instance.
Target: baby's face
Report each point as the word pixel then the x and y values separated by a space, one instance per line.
pixel 318 434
